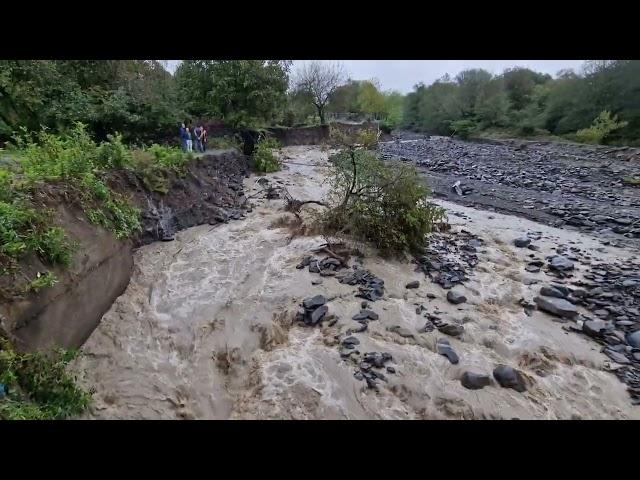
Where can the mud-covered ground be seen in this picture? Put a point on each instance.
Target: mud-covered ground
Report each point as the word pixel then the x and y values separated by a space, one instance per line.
pixel 207 326
pixel 574 186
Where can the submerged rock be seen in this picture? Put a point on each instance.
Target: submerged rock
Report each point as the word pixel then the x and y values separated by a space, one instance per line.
pixel 455 297
pixel 314 302
pixel 509 377
pixel 444 348
pixel 452 329
pixel 474 381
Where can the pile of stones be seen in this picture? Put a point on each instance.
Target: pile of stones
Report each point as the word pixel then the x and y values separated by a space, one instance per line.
pixel 449 257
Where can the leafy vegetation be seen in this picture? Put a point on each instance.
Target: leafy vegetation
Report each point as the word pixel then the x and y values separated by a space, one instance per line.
pixel 37 386
pixel 378 202
pixel 136 97
pixel 45 280
pixel 521 102
pixel 241 92
pixel 601 128
pixel 264 160
pixel 75 165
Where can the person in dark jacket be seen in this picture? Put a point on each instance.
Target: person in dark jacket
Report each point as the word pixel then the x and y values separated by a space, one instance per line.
pixel 183 137
pixel 197 138
pixel 204 138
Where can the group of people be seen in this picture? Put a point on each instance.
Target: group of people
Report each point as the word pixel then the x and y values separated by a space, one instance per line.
pixel 196 138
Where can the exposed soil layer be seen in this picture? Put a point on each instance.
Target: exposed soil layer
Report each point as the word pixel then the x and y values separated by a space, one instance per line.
pixel 565 185
pixel 209 192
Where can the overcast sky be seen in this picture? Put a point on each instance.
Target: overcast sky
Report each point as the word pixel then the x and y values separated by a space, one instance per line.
pixel 402 75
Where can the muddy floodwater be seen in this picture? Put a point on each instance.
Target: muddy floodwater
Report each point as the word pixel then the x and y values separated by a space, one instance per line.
pixel 205 329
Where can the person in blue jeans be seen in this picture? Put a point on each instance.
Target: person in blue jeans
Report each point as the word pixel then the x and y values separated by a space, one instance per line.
pixel 184 136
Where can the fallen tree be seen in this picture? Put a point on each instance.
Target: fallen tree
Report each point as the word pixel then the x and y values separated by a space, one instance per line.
pixel 382 203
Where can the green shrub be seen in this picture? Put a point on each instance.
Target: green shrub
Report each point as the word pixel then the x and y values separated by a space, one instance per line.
pixel 223 143
pixel 46 280
pixel 289 118
pixel 386 127
pixel 378 202
pixel 113 153
pixel 602 126
pixel 39 385
pixel 264 159
pixel 464 128
pixel 526 130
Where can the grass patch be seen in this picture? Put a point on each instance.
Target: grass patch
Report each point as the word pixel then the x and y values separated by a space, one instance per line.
pixel 635 181
pixel 38 386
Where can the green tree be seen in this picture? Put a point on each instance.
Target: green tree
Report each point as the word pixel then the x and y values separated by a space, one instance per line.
pixel 370 101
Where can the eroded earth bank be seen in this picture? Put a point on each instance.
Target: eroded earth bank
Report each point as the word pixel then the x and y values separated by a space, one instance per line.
pixel 208 326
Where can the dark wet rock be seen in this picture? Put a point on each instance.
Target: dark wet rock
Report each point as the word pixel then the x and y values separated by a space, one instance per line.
pixel 532 268
pixel 313 267
pixel 562 289
pixel 509 377
pixel 314 302
pixel 616 356
pixel 452 329
pixel 474 381
pixel 431 296
pixel 444 348
pixel 556 306
pixel 318 314
pixel 360 316
pixel 391 370
pixel 522 242
pixel 362 328
pixel 370 314
pixel 364 304
pixel 594 328
pixel 305 262
pixel 347 352
pixel 633 339
pixel 560 263
pixel 350 341
pixel 414 284
pixel 552 292
pixel 358 376
pixel 455 297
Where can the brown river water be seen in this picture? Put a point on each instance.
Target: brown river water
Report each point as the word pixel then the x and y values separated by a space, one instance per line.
pixel 205 329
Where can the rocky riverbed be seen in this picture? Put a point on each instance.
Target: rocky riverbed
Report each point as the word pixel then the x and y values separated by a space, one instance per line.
pixel 568 185
pixel 502 317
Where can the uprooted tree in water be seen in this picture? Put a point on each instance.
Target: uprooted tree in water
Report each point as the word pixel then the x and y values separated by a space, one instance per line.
pixel 383 203
pixel 371 201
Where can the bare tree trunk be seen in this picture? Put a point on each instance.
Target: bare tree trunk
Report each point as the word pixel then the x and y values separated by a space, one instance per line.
pixel 321 113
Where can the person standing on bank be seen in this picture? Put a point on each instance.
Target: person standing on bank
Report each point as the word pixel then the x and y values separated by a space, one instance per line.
pixel 204 138
pixel 197 133
pixel 183 137
pixel 189 141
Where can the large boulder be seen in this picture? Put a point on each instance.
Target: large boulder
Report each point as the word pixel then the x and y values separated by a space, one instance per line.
pixel 556 306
